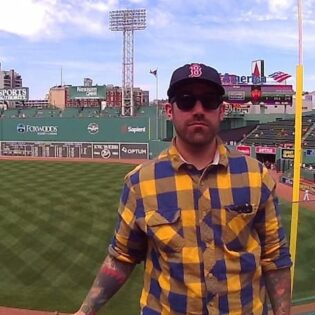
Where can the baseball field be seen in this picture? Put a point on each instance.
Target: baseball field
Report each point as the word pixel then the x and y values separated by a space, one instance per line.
pixel 57 219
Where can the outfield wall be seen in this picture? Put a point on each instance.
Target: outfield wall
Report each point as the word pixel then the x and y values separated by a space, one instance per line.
pixel 76 129
pixel 111 137
pixel 107 137
pixel 87 137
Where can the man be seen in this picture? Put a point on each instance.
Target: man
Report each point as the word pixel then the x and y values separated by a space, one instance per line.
pixel 256 94
pixel 204 220
pixel 306 195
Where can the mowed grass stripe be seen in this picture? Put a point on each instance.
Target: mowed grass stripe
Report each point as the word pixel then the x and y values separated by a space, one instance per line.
pixel 41 247
pixel 304 276
pixel 56 223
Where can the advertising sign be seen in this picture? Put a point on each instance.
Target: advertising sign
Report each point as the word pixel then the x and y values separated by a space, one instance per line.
pixel 310 152
pixel 231 79
pixel 287 154
pixel 134 151
pixel 266 150
pixel 39 130
pixel 87 92
pixel 106 150
pixel 245 149
pixel 18 94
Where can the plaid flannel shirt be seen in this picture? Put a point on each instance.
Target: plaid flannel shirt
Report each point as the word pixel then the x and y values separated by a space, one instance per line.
pixel 206 237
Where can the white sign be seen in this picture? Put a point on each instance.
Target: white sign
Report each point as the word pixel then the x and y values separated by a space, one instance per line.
pixel 39 130
pixel 20 94
pixel 136 129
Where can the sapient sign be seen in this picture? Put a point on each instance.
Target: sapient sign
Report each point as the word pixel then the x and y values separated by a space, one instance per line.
pixel 39 130
pixel 136 129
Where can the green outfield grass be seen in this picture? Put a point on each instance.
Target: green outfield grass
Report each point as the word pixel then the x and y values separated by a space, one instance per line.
pixel 304 284
pixel 56 222
pixel 57 219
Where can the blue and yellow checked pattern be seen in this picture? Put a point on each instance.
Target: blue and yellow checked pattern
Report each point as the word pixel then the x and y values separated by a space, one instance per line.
pixel 206 236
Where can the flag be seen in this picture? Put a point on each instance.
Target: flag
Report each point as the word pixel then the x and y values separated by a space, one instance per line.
pixel 280 76
pixel 154 72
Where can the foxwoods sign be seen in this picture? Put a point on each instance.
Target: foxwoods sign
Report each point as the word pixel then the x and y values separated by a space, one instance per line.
pixel 39 130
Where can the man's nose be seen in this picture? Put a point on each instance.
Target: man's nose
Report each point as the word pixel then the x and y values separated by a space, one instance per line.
pixel 198 106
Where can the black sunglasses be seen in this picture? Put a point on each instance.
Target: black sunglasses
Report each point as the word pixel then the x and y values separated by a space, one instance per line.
pixel 187 102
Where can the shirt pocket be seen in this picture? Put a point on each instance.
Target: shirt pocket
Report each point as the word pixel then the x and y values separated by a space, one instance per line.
pixel 165 228
pixel 239 229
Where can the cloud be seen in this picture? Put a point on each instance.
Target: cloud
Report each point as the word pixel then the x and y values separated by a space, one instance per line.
pixel 137 1
pixel 281 7
pixel 46 19
pixel 28 20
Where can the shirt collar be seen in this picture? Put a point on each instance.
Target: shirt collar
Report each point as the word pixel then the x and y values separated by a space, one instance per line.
pixel 220 158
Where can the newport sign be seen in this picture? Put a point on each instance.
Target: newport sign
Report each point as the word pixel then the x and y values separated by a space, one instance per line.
pixel 232 79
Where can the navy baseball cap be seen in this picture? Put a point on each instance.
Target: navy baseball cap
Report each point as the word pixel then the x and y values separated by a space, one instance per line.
pixel 195 72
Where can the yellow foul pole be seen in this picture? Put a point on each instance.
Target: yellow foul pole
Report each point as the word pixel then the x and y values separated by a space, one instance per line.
pixel 297 145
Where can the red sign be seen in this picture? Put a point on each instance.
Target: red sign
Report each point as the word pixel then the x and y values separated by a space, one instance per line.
pixel 245 149
pixel 266 150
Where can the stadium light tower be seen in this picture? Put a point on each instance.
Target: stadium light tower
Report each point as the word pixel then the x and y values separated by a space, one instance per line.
pixel 127 21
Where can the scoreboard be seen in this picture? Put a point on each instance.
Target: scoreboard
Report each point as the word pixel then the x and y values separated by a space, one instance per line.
pixel 257 94
pixel 102 150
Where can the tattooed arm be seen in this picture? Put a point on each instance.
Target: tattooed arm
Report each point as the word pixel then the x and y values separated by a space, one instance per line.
pixel 111 276
pixel 279 290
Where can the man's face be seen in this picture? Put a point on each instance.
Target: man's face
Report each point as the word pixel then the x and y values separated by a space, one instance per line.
pixel 256 95
pixel 197 126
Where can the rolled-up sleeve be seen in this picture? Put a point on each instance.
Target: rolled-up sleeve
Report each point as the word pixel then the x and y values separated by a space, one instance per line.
pixel 129 241
pixel 274 246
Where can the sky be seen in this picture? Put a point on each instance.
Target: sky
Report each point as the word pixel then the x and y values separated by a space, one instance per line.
pixel 53 42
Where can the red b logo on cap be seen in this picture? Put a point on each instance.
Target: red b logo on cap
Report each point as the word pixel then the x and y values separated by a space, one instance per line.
pixel 195 70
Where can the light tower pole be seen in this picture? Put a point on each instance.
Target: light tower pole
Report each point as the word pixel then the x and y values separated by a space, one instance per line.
pixel 127 21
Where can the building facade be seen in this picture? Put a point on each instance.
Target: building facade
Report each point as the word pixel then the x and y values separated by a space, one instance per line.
pixel 114 97
pixel 57 96
pixel 98 96
pixel 10 79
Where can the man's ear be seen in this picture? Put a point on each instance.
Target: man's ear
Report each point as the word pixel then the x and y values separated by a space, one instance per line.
pixel 169 110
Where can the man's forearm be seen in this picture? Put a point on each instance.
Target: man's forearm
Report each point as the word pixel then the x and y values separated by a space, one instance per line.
pixel 279 290
pixel 110 278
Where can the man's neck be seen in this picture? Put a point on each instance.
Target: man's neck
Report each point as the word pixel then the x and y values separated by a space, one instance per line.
pixel 199 156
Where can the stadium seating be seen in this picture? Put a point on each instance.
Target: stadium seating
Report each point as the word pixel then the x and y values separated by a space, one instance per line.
pixel 278 133
pixel 230 136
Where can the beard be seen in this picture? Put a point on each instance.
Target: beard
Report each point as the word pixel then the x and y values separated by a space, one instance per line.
pixel 196 133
